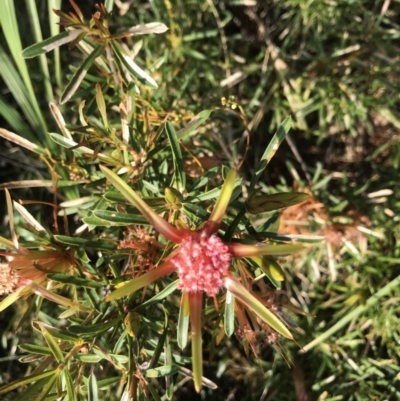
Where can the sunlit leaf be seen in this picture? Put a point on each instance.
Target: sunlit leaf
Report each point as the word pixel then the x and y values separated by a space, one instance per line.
pixel 53 345
pixel 133 68
pixel 69 385
pixel 50 43
pixel 257 307
pixel 133 285
pixel 93 391
pixel 79 74
pixel 183 322
pixel 151 27
pixel 229 314
pixel 120 218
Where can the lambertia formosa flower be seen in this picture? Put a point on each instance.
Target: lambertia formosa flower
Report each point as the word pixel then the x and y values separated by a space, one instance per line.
pixel 202 261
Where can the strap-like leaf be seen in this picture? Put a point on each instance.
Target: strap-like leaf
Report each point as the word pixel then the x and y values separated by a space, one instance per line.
pixel 229 314
pixel 183 322
pixel 133 68
pixel 179 171
pixel 80 73
pixel 257 307
pixel 51 43
pixel 53 345
pixel 93 390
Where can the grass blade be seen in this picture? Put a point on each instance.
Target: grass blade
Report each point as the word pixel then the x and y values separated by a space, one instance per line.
pixel 270 151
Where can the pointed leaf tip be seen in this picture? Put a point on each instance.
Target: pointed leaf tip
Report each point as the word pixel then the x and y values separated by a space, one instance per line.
pixel 223 200
pixel 248 299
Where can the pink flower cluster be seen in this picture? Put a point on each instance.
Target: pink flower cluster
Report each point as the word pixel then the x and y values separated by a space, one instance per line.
pixel 203 262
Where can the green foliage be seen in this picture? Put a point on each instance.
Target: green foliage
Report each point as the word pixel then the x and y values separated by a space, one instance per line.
pixel 127 99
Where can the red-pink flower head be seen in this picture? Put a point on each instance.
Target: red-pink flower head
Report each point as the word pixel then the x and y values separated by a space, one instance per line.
pixel 203 262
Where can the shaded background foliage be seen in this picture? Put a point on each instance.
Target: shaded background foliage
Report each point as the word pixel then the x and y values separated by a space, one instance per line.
pixel 334 67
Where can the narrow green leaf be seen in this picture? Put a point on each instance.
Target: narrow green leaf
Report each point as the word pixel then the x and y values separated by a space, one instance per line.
pixel 68 143
pixel 54 20
pixel 94 329
pixel 118 359
pixel 179 177
pixel 271 266
pixel 109 4
pixel 53 345
pixel 101 104
pixel 13 297
pixel 77 281
pixel 26 380
pixel 239 250
pixel 93 390
pixel 88 358
pixel 69 385
pixel 75 241
pixel 196 307
pixel 10 28
pixel 115 196
pixel 120 218
pixel 80 74
pixel 154 392
pixel 168 360
pixel 31 391
pixel 183 322
pixel 15 120
pixel 132 286
pixel 48 386
pixel 159 348
pixel 20 93
pixel 62 335
pixel 35 349
pixel 229 314
pixel 193 124
pixel 303 238
pixel 106 383
pixel 51 43
pixel 168 290
pixel 270 151
pixel 134 70
pixel 257 307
